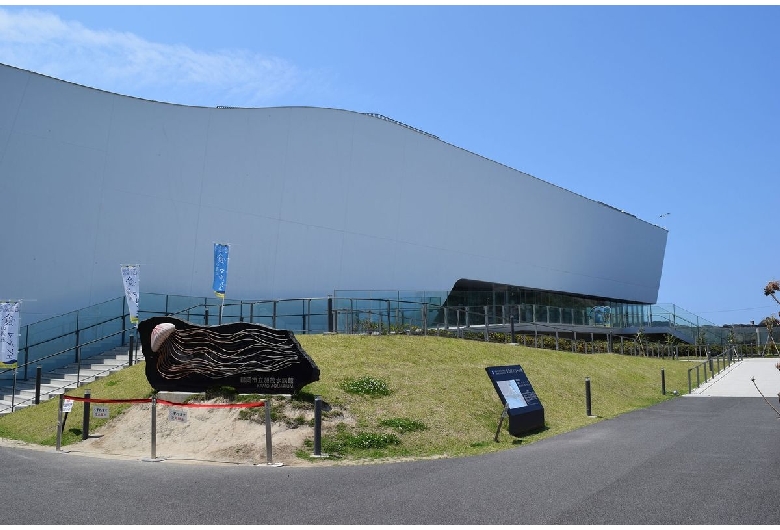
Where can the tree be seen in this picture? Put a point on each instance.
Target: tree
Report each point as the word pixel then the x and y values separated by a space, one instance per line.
pixel 771 289
pixel 639 340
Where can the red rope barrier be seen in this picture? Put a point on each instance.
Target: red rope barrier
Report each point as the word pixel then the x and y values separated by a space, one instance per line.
pixel 95 400
pixel 213 405
pixel 172 404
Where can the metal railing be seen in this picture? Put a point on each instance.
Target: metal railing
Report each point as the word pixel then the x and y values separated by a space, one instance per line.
pixel 715 364
pixel 79 335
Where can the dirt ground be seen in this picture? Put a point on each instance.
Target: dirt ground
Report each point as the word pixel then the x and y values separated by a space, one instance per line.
pixel 202 435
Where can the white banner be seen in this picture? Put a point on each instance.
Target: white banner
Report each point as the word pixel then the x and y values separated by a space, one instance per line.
pixel 130 279
pixel 9 332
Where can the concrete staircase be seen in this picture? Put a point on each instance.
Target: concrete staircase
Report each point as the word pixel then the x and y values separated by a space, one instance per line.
pixel 62 380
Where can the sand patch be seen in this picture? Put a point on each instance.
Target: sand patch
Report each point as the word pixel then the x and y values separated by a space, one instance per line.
pixel 215 435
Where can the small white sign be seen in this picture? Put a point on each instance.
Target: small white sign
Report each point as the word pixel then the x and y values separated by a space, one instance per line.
pixel 67 405
pixel 177 415
pixel 99 412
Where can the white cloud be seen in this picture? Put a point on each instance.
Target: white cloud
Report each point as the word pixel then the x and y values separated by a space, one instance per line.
pixel 127 64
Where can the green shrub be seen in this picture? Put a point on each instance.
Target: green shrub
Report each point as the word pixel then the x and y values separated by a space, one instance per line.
pixel 366 386
pixel 343 441
pixel 404 424
pixel 372 440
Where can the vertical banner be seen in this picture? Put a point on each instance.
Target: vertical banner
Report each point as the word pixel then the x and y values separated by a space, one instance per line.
pixel 220 268
pixel 9 332
pixel 130 280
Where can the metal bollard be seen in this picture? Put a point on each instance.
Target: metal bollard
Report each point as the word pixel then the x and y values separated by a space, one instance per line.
pixel 318 426
pixel 663 382
pixel 37 384
pixel 268 445
pixel 130 351
pixel 85 420
pixel 59 422
pixel 154 427
pixel 587 397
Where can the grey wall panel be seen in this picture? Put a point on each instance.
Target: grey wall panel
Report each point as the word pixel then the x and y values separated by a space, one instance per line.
pixel 12 86
pixel 52 211
pixel 311 261
pixel 156 150
pixel 161 240
pixel 311 200
pixel 366 262
pixel 424 187
pixel 373 189
pixel 316 165
pixel 64 112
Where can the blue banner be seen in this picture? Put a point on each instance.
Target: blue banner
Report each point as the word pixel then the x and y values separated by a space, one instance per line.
pixel 220 268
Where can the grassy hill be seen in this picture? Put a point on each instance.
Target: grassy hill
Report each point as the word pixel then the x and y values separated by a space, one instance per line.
pixel 440 401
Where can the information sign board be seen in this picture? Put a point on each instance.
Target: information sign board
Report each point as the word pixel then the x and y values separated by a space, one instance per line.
pixel 522 405
pixel 177 415
pixel 99 411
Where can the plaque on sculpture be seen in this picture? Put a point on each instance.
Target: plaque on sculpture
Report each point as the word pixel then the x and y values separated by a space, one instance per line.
pixel 521 403
pixel 251 358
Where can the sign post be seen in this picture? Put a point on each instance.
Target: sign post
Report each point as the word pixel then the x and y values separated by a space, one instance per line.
pixel 521 404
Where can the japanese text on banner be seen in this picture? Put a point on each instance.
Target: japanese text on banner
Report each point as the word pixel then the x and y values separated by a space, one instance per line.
pixel 220 268
pixel 130 279
pixel 9 332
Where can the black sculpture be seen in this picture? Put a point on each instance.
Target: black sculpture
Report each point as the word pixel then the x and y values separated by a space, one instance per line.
pixel 252 358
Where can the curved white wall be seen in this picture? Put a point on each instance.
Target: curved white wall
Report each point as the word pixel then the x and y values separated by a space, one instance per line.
pixel 310 200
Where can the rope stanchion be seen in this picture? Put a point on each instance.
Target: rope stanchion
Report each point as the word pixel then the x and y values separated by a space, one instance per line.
pixel 268 445
pixel 154 430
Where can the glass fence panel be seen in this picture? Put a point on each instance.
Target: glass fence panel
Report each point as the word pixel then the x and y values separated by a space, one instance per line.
pixel 178 306
pixel 227 313
pixel 262 313
pixel 41 353
pixel 105 326
pixel 101 312
pixel 154 304
pixel 51 328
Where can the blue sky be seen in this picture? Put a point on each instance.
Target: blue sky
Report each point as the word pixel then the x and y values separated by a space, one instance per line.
pixel 650 109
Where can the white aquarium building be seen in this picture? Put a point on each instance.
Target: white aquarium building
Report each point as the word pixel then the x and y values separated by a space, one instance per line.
pixel 312 202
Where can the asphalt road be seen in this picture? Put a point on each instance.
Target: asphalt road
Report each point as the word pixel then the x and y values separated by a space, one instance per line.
pixel 690 460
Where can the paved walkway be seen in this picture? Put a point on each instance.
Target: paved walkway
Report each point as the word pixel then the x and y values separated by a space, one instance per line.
pixel 686 461
pixel 737 380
